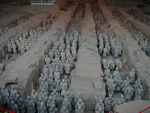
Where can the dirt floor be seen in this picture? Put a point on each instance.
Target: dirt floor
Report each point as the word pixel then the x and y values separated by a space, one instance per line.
pixel 40 28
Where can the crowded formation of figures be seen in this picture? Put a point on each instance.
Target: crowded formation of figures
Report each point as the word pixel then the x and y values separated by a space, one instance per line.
pixel 145 45
pixel 110 46
pixel 21 20
pixel 24 42
pixel 128 87
pixel 138 35
pixel 54 83
pixel 11 100
pixel 137 14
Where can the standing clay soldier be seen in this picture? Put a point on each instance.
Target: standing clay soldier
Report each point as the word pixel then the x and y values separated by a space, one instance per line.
pixel 71 62
pixel 41 78
pixel 31 34
pixel 66 106
pixel 128 93
pixel 107 73
pixel 42 108
pixel 51 54
pixel 99 106
pixel 44 95
pixel 64 109
pixel 118 64
pixel 108 49
pixel 64 87
pixel 138 93
pixel 9 47
pixel 55 95
pixel 21 105
pixel 57 75
pixel 14 48
pixel 138 89
pixel 110 86
pixel 30 107
pixel 67 80
pixel 45 71
pixel 79 107
pixel 121 100
pixel 116 53
pixel 50 99
pixel 50 84
pixel 67 68
pixel 47 60
pixel 118 81
pixel 46 87
pixel 132 76
pixel 14 107
pixel 137 84
pixel 68 97
pixel 104 61
pixel 101 45
pixel 111 64
pixel 20 39
pixel 22 49
pixel 74 53
pixel 52 106
pixel 57 84
pixel 27 45
pixel 18 45
pixel 63 56
pixel 125 84
pixel 108 103
pixel 104 52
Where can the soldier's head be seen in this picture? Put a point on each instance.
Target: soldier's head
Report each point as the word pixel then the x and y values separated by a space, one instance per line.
pixel 65 77
pixel 127 78
pixel 133 70
pixel 50 97
pixel 46 56
pixel 117 68
pixel 7 94
pixel 65 99
pixel 40 98
pixel 100 100
pixel 42 90
pixel 54 90
pixel 139 80
pixel 110 95
pixel 63 80
pixel 33 91
pixel 42 104
pixel 28 97
pixel 17 95
pixel 122 96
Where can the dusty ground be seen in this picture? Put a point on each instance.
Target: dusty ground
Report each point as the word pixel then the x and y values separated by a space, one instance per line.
pixel 23 70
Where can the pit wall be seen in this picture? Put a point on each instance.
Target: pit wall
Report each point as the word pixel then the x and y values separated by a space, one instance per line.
pixel 133 56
